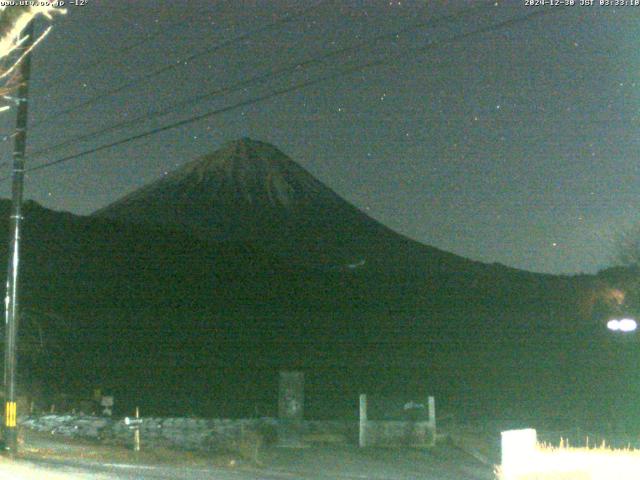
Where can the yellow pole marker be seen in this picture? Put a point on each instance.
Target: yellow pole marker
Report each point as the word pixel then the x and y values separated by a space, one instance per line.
pixel 136 433
pixel 10 414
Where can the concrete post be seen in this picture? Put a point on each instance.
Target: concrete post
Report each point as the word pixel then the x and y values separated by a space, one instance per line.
pixel 290 408
pixel 432 417
pixel 362 439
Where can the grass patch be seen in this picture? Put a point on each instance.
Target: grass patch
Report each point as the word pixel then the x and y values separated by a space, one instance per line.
pixel 583 463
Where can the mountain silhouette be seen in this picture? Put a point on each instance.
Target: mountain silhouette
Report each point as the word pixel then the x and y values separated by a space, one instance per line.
pixel 185 296
pixel 250 191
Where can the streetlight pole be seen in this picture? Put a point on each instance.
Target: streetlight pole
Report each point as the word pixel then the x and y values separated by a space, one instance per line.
pixel 11 300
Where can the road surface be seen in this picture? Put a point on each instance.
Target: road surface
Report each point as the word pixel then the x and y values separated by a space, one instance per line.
pixel 55 459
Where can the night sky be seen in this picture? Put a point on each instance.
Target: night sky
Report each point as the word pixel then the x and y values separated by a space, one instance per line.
pixel 516 145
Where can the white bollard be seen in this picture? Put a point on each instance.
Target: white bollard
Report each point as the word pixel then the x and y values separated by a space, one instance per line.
pixel 362 440
pixel 432 412
pixel 518 451
pixel 432 417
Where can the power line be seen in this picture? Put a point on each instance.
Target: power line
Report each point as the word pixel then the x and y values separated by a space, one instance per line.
pixel 291 67
pixel 121 50
pixel 276 93
pixel 430 46
pixel 178 63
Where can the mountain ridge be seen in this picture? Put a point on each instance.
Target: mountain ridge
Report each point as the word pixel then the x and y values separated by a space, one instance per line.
pixel 381 313
pixel 251 191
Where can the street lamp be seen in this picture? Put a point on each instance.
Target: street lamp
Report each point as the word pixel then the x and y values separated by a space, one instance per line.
pixel 624 325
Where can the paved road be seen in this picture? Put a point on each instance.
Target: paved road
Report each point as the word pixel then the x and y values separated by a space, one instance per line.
pixel 57 470
pixel 54 459
pixel 79 469
pixel 69 471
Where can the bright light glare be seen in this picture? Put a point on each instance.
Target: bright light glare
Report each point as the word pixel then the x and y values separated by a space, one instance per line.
pixel 523 457
pixel 628 325
pixel 624 325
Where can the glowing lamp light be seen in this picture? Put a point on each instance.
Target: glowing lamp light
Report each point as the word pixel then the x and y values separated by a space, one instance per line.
pixel 628 325
pixel 624 325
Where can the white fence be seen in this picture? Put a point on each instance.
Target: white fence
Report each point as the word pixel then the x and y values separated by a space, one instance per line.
pixel 397 432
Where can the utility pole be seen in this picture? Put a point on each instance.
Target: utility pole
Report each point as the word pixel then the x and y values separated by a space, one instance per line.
pixel 11 300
